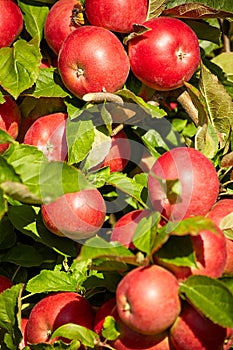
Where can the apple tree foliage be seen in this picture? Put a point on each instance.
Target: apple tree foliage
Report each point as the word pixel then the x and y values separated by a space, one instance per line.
pixel 39 262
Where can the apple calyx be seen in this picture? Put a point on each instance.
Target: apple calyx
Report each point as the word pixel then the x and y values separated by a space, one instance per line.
pixel 80 72
pixel 181 55
pixel 77 17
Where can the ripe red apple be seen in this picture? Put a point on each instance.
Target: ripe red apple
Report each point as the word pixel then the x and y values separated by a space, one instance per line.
pixel 55 310
pixel 48 133
pixel 220 210
pixel 24 322
pixel 119 153
pixel 11 22
pixel 125 227
pixel 5 283
pixel 116 15
pixel 210 253
pixel 77 215
pixel 10 118
pixel 192 330
pixel 198 183
pixel 93 59
pixel 63 18
pixel 128 338
pixel 148 300
pixel 165 56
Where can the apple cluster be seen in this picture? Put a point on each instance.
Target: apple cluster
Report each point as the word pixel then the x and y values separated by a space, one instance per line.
pixel 89 40
pixel 95 48
pixel 147 308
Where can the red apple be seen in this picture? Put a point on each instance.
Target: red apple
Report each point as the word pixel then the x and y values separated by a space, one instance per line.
pixel 125 227
pixel 116 15
pixel 128 338
pixel 218 214
pixel 48 134
pixel 198 183
pixel 229 339
pixel 210 253
pixel 77 215
pixel 148 300
pixel 64 17
pixel 119 153
pixel 10 118
pixel 192 330
pixel 93 59
pixel 55 310
pixel 165 56
pixel 11 22
pixel 24 322
pixel 5 283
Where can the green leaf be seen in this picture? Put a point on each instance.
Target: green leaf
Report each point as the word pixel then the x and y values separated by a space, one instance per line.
pixel 99 150
pixel 49 84
pixel 9 311
pixel 58 178
pixel 145 233
pixel 226 225
pixel 73 331
pixel 155 8
pixel 97 247
pixel 80 135
pixel 199 9
pixel 7 234
pixel 177 251
pixel 27 219
pixel 7 172
pixel 109 330
pixel 52 281
pixel 34 18
pixel 19 66
pixel 154 111
pixel 224 60
pixel 27 162
pixel 192 226
pixel 5 137
pixel 219 105
pixel 211 296
pixel 22 255
pixel 126 185
pixel 3 204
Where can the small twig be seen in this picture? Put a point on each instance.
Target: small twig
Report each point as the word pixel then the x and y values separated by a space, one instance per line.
pixel 185 100
pixel 98 97
pixel 117 129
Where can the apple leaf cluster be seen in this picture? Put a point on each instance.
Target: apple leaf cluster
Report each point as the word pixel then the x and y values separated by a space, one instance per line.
pixel 197 115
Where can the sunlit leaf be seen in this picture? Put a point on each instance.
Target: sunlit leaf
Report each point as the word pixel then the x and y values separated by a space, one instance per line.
pixel 211 296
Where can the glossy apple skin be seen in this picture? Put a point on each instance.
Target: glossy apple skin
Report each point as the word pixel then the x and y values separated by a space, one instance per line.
pixel 199 184
pixel 166 55
pixel 48 134
pixel 105 69
pixel 10 119
pixel 59 23
pixel 11 22
pixel 128 338
pixel 5 283
pixel 158 305
pixel 77 215
pixel 193 331
pixel 119 154
pixel 55 310
pixel 24 322
pixel 218 212
pixel 125 227
pixel 116 15
pixel 211 256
